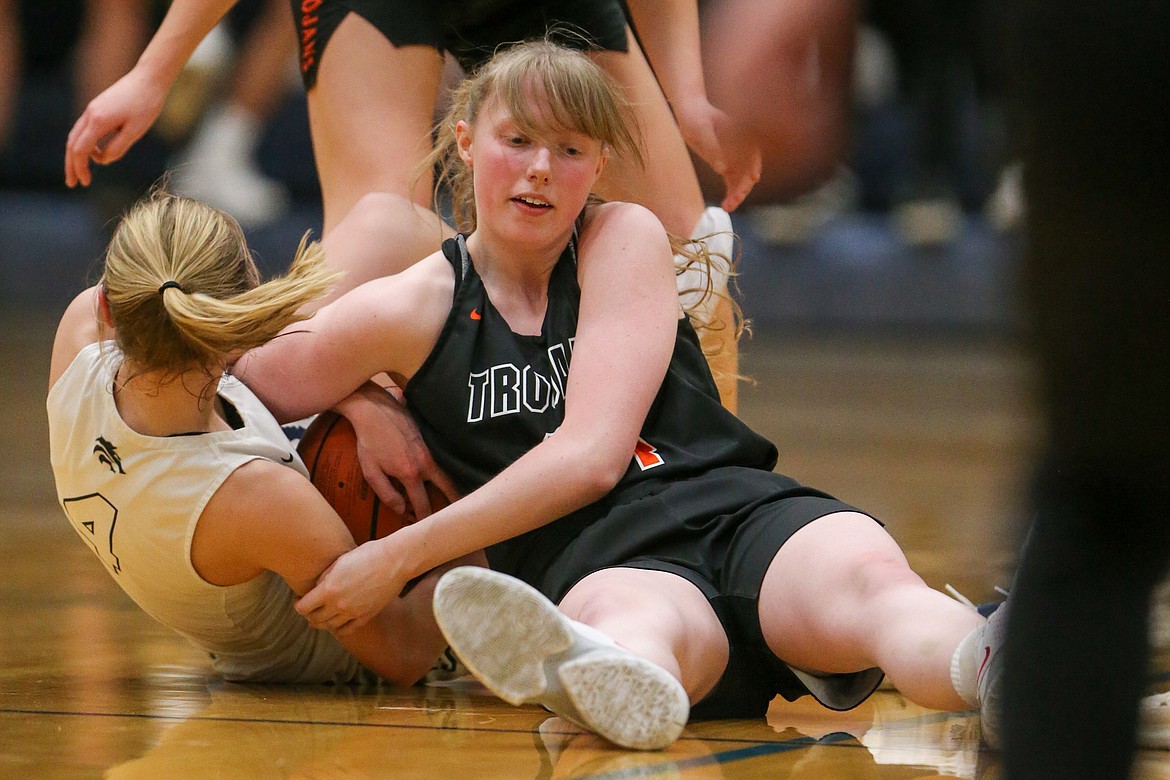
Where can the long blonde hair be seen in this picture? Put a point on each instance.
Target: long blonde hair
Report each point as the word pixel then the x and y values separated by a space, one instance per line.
pixel 183 290
pixel 573 94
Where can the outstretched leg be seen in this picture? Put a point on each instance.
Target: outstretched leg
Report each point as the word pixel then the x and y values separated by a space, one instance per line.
pixel 840 597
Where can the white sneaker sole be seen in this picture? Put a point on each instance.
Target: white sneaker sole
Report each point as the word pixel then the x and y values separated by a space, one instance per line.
pixel 516 642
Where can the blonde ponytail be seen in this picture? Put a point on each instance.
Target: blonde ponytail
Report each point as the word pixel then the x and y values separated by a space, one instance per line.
pixel 183 289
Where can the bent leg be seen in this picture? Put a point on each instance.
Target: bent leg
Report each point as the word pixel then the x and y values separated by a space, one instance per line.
pixel 370 115
pixel 519 645
pixel 382 234
pixel 840 597
pixel 658 616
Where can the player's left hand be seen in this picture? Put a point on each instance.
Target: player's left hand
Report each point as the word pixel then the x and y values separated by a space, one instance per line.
pixel 719 141
pixel 354 589
pixel 391 448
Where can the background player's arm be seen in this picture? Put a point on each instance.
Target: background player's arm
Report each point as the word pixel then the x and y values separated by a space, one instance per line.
pixel 669 33
pixel 115 120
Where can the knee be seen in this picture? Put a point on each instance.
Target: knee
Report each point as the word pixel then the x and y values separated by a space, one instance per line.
pixel 603 606
pixel 877 573
pixel 678 637
pixel 650 622
pixel 375 208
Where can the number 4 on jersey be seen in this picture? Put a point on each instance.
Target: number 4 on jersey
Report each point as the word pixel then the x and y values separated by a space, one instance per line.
pixel 94 518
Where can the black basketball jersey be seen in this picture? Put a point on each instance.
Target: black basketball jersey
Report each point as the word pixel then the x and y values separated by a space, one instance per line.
pixel 486 395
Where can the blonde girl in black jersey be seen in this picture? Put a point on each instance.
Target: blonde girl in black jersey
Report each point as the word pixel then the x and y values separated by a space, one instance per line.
pixel 552 373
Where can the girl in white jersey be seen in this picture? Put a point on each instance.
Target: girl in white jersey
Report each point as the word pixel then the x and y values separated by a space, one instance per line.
pixel 554 376
pixel 180 480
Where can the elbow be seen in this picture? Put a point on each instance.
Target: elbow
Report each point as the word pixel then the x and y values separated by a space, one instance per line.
pixel 405 677
pixel 409 664
pixel 601 470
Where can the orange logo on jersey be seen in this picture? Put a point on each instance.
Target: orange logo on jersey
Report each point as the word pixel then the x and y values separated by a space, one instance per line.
pixel 646 455
pixel 475 314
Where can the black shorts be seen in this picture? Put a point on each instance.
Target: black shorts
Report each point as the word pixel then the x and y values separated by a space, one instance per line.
pixel 470 29
pixel 720 532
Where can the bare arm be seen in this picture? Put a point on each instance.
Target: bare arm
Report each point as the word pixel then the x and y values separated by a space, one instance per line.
pixel 114 120
pixel 388 325
pixel 390 444
pixel 78 327
pixel 268 517
pixel 628 297
pixel 669 33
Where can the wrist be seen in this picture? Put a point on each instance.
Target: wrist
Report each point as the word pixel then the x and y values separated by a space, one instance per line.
pixel 352 405
pixel 400 553
pixel 158 68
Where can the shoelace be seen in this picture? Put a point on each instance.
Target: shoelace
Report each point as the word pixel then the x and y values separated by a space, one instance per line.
pixel 983 609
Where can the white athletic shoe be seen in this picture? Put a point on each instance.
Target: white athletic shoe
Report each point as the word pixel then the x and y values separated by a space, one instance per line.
pixel 990 676
pixel 516 642
pixel 988 658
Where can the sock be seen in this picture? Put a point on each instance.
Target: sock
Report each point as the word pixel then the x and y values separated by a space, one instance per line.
pixel 965 666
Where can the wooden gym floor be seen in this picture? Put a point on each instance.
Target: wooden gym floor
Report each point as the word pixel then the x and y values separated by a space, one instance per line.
pixel 934 436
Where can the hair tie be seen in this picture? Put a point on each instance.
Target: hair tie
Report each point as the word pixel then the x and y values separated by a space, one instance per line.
pixel 167 285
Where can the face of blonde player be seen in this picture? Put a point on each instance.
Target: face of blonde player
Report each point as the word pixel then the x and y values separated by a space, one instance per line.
pixel 528 189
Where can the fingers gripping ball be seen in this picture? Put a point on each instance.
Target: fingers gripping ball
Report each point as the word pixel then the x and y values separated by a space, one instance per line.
pixel 329 450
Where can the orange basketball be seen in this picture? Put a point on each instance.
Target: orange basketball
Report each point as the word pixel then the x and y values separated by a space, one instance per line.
pixel 329 450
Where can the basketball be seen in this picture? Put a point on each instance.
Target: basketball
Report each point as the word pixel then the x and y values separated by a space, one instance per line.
pixel 329 450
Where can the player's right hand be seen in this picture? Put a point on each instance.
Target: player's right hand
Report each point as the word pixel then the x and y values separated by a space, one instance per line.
pixel 112 123
pixel 355 588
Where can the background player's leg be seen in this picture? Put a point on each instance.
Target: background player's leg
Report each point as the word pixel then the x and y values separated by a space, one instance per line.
pixel 370 114
pixel 383 233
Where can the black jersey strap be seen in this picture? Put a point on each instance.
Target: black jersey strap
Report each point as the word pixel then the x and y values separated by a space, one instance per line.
pixel 455 250
pixel 465 258
pixel 461 241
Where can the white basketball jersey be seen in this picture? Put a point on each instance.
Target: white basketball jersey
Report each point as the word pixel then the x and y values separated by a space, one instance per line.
pixel 136 499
